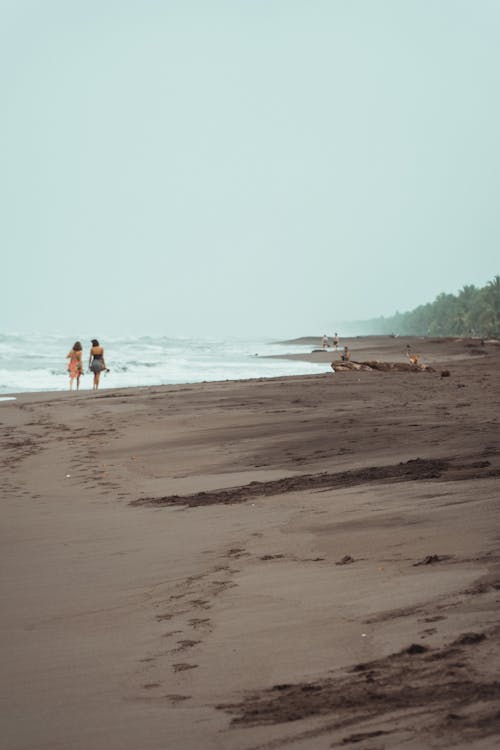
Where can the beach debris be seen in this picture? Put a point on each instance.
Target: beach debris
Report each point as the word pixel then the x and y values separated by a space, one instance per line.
pixel 271 557
pixel 415 648
pixel 68 476
pixel 346 560
pixel 445 373
pixel 339 366
pixel 430 560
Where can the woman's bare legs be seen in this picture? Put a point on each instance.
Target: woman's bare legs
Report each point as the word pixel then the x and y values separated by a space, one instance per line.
pixel 97 375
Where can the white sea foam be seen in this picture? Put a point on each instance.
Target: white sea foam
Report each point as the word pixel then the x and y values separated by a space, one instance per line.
pixel 38 363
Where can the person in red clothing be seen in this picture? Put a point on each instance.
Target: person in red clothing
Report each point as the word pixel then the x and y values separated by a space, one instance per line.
pixel 75 366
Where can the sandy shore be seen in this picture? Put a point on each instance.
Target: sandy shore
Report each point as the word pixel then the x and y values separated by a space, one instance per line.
pixel 303 562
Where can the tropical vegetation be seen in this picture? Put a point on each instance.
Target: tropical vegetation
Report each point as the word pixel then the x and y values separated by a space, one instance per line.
pixel 472 311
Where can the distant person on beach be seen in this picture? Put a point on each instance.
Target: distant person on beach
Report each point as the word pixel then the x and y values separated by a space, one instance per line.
pixel 96 362
pixel 75 366
pixel 336 340
pixel 346 354
pixel 325 342
pixel 412 357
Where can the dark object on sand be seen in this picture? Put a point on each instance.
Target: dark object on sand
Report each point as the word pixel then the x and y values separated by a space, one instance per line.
pixel 382 366
pixel 445 373
pixel 415 648
pixel 429 560
pixel 346 560
pixel 467 639
pixel 361 736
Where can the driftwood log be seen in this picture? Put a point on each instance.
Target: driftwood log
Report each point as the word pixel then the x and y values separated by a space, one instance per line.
pixel 339 366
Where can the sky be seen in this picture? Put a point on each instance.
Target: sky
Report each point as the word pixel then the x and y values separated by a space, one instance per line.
pixel 244 167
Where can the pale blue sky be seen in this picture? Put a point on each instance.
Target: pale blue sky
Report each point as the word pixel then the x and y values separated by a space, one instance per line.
pixel 244 167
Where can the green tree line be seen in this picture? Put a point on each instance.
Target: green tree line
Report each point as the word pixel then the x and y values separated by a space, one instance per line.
pixel 472 311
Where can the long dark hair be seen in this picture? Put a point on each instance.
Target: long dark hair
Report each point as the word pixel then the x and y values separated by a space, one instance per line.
pixel 77 347
pixel 95 342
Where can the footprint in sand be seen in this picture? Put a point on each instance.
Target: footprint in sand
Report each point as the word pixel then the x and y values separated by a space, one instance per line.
pixel 200 603
pixel 199 623
pixel 183 667
pixel 171 633
pixel 185 644
pixel 174 699
pixel 161 618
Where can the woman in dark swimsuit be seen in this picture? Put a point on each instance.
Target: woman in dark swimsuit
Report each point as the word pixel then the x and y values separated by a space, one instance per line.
pixel 96 362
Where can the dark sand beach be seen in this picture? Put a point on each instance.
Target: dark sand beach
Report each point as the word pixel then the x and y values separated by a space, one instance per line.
pixel 299 562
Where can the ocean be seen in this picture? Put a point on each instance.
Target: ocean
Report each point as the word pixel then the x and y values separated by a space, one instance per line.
pixel 37 362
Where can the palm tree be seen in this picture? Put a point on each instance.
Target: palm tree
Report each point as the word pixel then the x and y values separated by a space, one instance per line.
pixel 471 310
pixel 492 295
pixel 466 297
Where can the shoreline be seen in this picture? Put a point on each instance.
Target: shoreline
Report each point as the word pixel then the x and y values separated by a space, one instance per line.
pixel 365 347
pixel 301 561
pixel 107 392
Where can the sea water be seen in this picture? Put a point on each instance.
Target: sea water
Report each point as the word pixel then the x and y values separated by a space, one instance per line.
pixel 38 362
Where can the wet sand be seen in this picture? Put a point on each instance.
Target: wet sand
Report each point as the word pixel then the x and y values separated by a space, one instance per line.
pixel 300 562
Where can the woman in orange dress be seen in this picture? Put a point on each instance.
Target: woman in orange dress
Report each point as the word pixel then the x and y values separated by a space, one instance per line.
pixel 75 366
